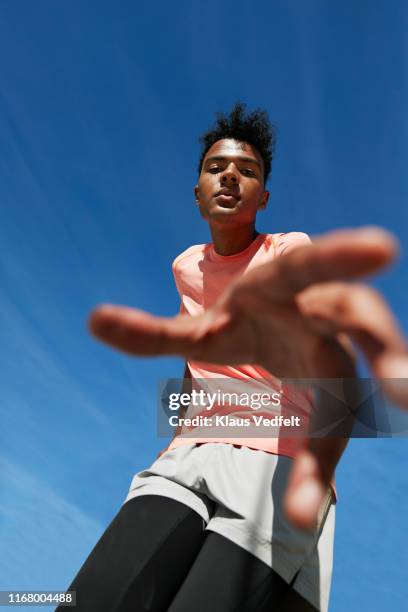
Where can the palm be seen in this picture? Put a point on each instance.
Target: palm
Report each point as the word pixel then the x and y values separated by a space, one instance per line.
pixel 284 316
pixel 245 328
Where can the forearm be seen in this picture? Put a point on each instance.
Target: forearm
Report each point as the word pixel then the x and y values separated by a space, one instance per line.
pixel 186 387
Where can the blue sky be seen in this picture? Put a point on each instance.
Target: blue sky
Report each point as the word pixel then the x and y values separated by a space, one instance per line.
pixel 101 106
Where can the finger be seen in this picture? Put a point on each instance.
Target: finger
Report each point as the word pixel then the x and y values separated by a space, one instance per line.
pixel 365 316
pixel 353 308
pixel 139 333
pixel 345 254
pixel 305 491
pixel 392 369
pixel 311 475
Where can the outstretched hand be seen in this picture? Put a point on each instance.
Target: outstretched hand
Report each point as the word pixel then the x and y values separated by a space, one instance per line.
pixel 287 316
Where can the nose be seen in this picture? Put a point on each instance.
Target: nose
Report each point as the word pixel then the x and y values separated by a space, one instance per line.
pixel 229 175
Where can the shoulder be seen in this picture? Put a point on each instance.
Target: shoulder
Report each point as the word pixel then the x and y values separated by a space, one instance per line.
pixel 287 241
pixel 291 237
pixel 189 256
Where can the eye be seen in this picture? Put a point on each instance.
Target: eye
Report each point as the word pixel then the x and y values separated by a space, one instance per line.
pixel 213 169
pixel 248 172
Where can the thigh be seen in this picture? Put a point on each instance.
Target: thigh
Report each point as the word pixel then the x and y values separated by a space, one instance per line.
pixel 294 602
pixel 226 578
pixel 142 558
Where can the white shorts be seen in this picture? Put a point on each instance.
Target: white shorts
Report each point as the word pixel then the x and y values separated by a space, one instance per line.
pixel 238 491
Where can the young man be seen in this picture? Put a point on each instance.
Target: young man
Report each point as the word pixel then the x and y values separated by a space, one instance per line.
pixel 204 527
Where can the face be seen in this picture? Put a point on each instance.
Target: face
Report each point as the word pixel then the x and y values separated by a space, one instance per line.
pixel 230 189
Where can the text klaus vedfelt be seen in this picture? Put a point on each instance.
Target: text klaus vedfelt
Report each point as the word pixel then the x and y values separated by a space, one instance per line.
pixel 208 401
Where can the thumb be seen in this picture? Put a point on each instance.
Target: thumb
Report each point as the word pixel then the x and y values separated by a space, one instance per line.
pixel 139 333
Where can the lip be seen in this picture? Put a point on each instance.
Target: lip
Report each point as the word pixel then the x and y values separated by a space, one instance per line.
pixel 228 193
pixel 226 201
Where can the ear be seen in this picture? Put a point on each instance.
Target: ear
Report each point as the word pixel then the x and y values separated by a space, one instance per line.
pixel 197 194
pixel 264 200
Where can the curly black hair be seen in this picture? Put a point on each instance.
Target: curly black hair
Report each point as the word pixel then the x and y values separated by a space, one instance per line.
pixel 253 128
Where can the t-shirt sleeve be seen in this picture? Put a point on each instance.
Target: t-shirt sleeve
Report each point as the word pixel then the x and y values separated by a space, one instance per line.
pixel 292 240
pixel 178 282
pixel 176 275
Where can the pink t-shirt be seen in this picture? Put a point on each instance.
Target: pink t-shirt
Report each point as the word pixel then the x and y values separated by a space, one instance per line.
pixel 201 276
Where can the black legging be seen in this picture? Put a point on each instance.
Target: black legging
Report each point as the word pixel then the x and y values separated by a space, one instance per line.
pixel 155 556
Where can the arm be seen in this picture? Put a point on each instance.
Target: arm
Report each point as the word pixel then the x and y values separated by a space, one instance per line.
pixel 293 306
pixel 185 388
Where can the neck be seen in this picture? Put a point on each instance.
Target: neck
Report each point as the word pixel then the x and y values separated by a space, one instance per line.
pixel 229 241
